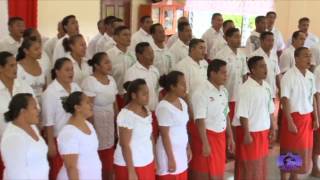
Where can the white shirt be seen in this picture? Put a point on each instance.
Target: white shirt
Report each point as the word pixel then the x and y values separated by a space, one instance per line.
pixel 91 50
pixel 163 59
pixel 19 86
pixel 49 46
pixel 194 73
pixel 310 41
pixel 24 157
pixel 72 140
pixel 82 72
pixel 121 62
pixel 255 103
pixel 140 36
pixel 299 90
pixel 287 59
pixel 46 64
pixel 52 111
pixel 151 76
pixel 172 39
pixel 253 42
pixel 59 51
pixel 179 50
pixel 315 51
pixel 101 43
pixel 103 112
pixel 272 67
pixel 9 44
pixel 217 47
pixel 176 119
pixel 140 142
pixel 211 104
pixel 210 37
pixel 110 44
pixel 236 69
pixel 278 40
pixel 317 78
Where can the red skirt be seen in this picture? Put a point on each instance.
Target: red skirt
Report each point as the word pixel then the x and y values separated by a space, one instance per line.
pixel 300 143
pixel 120 101
pixel 251 159
pixel 214 164
pixel 143 173
pixel 55 164
pixel 232 107
pixel 181 176
pixel 106 157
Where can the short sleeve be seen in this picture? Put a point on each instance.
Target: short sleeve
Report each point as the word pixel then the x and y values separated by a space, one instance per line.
pixel 284 62
pixel 125 120
pixel 114 84
pixel 164 116
pixel 48 108
pixel 68 142
pixel 285 85
pixel 199 104
pixel 243 104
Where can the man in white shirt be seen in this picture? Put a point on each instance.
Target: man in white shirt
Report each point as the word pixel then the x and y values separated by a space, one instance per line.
pixel 236 66
pixel 115 23
pixel 173 38
pixel 214 32
pixel 180 48
pixel 163 59
pixel 278 44
pixel 143 34
pixel 220 41
pixel 49 45
pixel 253 42
pixel 13 40
pixel 315 51
pixel 300 118
pixel 91 50
pixel 210 107
pixel 254 122
pixel 287 59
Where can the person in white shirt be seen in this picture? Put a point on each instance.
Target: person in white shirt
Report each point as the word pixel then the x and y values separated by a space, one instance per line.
pixel 236 66
pixel 271 59
pixel 13 40
pixel 180 48
pixel 111 43
pixel 173 38
pixel 254 122
pixel 163 59
pixel 143 34
pixel 253 42
pixel 76 48
pixel 92 45
pixel 210 108
pixel 315 51
pixel 49 45
pixel 104 89
pixel 134 158
pixel 53 115
pixel 121 59
pixel 278 45
pixel 220 40
pixel 172 147
pixel 23 150
pixel 316 141
pixel 212 34
pixel 70 27
pixel 287 59
pixel 77 141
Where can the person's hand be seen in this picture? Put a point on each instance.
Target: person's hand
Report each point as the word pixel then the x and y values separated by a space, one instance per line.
pixel 231 145
pixel 132 175
pixel 189 153
pixel 171 165
pixel 206 150
pixel 315 124
pixel 292 127
pixel 247 139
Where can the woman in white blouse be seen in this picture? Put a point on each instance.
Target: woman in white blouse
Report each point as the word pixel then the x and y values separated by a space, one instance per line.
pixel 23 150
pixel 104 89
pixel 134 158
pixel 172 148
pixel 78 142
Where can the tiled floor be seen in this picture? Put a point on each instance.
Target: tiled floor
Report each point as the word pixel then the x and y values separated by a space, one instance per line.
pixel 274 173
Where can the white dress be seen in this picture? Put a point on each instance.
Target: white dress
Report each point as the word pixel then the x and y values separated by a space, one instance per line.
pixel 72 140
pixel 172 117
pixel 23 157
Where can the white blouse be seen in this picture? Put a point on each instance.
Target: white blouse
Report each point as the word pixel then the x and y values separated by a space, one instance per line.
pixel 23 157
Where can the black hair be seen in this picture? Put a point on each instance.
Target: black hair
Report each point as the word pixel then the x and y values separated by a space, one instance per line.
pixel 296 34
pixel 264 35
pixel 132 87
pixel 230 32
pixel 116 20
pixel 182 25
pixel 26 44
pixel 194 42
pixel 58 65
pixel 271 13
pixel 253 61
pixel 4 55
pixel 140 47
pixel 28 32
pixel 144 18
pixel 72 100
pixel 259 19
pixel 119 29
pixel 18 102
pixel 215 66
pixel 14 19
pixel 96 59
pixel 226 22
pixel 65 21
pixel 67 42
pixel 298 51
pixel 100 21
pixel 304 19
pixel 154 27
pixel 215 15
pixel 171 79
pixel 108 20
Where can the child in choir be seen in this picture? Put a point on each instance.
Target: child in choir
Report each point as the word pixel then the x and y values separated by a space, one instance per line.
pixel 23 150
pixel 78 142
pixel 172 148
pixel 104 89
pixel 134 155
pixel 213 134
pixel 53 115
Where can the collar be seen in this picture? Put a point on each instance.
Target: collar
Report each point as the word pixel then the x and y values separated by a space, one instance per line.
pixel 142 31
pixel 13 41
pixel 193 62
pixel 58 87
pixel 118 51
pixel 253 82
pixel 298 72
pixel 291 48
pixel 156 48
pixel 212 87
pixel 263 53
pixel 255 33
pixel 217 32
pixel 140 66
pixel 182 44
pixel 229 50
